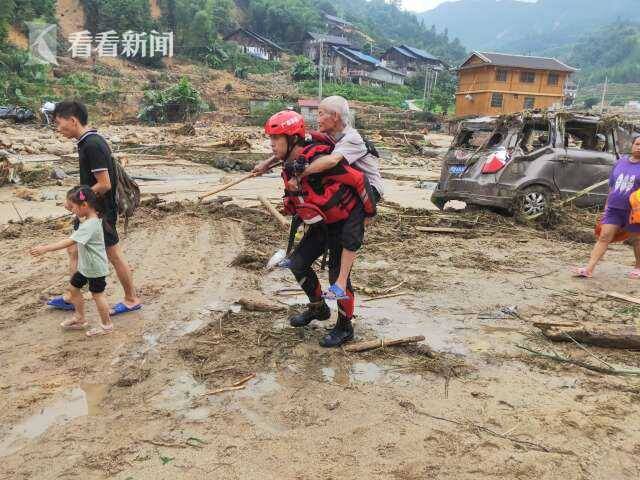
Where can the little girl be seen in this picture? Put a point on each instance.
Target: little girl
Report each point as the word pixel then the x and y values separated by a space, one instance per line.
pixel 92 260
pixel 624 180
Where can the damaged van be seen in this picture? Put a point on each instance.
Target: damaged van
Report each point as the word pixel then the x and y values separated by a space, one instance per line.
pixel 520 162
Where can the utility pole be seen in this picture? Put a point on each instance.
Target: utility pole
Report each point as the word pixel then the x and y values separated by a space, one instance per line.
pixel 433 85
pixel 424 93
pixel 320 75
pixel 604 93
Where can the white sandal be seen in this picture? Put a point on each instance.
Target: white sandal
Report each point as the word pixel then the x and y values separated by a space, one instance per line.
pixel 101 330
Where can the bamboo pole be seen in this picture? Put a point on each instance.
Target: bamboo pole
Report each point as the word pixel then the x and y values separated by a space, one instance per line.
pixel 364 346
pixel 235 182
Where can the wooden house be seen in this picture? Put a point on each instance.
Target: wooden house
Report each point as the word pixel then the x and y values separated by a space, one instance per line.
pixel 348 64
pixel 338 26
pixel 315 42
pixel 410 60
pixel 255 44
pixel 497 83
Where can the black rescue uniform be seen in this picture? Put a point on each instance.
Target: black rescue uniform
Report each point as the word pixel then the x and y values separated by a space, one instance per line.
pixel 95 156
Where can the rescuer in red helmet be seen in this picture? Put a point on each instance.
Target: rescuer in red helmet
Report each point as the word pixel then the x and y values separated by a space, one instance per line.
pixel 324 202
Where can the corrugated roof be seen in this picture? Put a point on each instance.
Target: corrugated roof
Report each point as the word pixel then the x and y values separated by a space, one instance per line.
pixel 420 53
pixel 329 39
pixel 522 61
pixel 405 52
pixel 336 19
pixel 257 36
pixel 362 56
pixel 345 53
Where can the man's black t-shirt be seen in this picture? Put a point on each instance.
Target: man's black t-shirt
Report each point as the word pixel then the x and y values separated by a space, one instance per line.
pixel 95 156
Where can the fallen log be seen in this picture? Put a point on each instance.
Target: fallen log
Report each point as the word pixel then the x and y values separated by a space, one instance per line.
pixel 600 335
pixel 364 346
pixel 275 213
pixel 258 306
pixel 579 363
pixel 626 298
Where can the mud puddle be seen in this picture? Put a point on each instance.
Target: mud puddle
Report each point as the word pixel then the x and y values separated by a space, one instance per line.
pixel 77 402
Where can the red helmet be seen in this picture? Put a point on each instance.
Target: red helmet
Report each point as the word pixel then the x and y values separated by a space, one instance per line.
pixel 287 123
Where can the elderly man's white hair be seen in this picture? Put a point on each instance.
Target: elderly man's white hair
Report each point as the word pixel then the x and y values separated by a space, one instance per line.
pixel 339 105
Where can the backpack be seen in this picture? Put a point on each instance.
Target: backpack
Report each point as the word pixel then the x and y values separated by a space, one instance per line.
pixel 127 193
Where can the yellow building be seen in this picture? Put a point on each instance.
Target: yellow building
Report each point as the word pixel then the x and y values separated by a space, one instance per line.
pixel 497 83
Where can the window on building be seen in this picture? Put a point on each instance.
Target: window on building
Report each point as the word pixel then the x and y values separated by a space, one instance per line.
pixel 527 77
pixel 496 100
pixel 529 103
pixel 501 75
pixel 553 79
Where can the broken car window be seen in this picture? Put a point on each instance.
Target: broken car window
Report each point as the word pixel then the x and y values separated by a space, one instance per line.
pixel 535 135
pixel 587 136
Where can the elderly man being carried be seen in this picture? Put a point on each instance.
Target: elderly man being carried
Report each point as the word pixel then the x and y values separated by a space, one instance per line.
pixel 333 120
pixel 325 202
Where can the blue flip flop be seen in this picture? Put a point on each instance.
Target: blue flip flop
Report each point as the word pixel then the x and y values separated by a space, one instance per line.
pixel 120 308
pixel 61 304
pixel 335 293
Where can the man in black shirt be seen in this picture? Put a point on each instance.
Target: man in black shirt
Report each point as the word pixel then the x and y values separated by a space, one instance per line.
pixel 97 170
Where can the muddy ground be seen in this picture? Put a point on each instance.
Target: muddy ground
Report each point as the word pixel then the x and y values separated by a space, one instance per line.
pixel 146 401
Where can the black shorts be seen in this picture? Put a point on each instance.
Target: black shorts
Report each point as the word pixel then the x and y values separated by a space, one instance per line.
pixel 111 237
pixel 96 285
pixel 352 234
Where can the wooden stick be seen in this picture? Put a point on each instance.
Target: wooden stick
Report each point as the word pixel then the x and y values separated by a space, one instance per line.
pixel 588 366
pixel 626 298
pixel 18 212
pixel 385 296
pixel 575 197
pixel 275 213
pixel 227 185
pixel 442 230
pixel 225 389
pixel 364 346
pixel 235 182
pixel 244 380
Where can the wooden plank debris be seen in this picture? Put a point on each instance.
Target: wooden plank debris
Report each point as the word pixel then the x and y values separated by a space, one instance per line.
pixel 601 335
pixel 381 343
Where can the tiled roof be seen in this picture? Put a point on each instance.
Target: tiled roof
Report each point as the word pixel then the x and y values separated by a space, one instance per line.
pixel 522 61
pixel 329 39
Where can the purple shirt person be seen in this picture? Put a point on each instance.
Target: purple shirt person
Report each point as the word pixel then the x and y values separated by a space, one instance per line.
pixel 624 180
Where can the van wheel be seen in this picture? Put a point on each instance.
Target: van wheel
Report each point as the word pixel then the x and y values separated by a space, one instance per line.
pixel 533 200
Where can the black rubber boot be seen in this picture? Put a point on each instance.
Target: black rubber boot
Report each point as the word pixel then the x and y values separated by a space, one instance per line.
pixel 315 311
pixel 341 333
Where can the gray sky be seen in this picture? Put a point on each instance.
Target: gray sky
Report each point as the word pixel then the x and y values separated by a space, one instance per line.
pixel 422 5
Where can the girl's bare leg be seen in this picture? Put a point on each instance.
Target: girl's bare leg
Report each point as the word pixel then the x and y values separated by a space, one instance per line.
pixel 606 237
pixel 103 310
pixel 75 297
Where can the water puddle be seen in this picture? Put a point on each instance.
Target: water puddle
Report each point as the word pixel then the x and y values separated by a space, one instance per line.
pixel 263 384
pixel 77 402
pixel 179 395
pixel 402 317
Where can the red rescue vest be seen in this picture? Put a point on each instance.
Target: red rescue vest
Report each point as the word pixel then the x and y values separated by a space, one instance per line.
pixel 329 196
